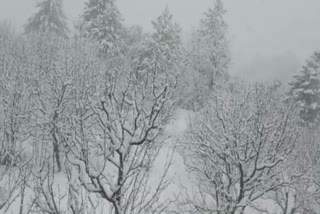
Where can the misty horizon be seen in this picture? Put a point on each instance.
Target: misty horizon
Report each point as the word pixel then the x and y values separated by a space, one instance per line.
pixel 280 33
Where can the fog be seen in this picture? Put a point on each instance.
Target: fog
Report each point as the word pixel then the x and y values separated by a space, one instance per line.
pixel 278 34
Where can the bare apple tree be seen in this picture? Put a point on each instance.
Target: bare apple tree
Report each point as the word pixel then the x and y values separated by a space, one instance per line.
pixel 51 92
pixel 116 135
pixel 236 149
pixel 15 108
pixel 62 67
pixel 302 193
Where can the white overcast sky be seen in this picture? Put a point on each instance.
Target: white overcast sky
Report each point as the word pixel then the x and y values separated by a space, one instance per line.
pixel 269 39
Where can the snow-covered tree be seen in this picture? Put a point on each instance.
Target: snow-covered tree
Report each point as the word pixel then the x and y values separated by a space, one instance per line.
pixel 55 95
pixel 236 149
pixel 115 141
pixel 49 19
pixel 15 114
pixel 115 138
pixel 49 95
pixel 301 194
pixel 133 35
pixel 207 58
pixel 60 70
pixel 214 53
pixel 167 38
pixel 305 90
pixel 159 54
pixel 102 22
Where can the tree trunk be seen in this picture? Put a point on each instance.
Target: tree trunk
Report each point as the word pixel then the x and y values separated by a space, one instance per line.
pixel 118 194
pixel 56 151
pixel 22 197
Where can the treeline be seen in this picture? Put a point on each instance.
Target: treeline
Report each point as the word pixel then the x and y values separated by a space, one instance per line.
pixel 83 117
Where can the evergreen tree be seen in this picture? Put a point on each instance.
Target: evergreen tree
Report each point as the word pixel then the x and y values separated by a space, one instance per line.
pixel 207 58
pixel 133 35
pixel 167 37
pixel 102 22
pixel 305 90
pixel 160 52
pixel 49 19
pixel 213 52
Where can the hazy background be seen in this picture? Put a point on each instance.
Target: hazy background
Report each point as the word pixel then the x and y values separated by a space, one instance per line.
pixel 269 39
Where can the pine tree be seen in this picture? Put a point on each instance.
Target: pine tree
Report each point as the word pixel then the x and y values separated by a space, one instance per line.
pixel 214 54
pixel 167 37
pixel 207 58
pixel 133 35
pixel 102 22
pixel 305 90
pixel 160 52
pixel 49 19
